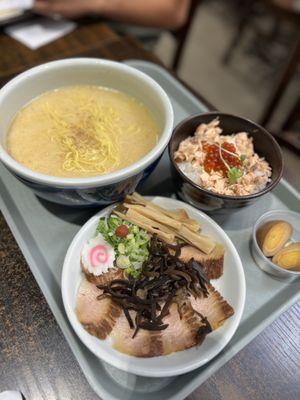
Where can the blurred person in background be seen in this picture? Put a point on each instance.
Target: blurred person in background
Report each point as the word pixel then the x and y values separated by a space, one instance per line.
pixel 157 14
pixel 289 4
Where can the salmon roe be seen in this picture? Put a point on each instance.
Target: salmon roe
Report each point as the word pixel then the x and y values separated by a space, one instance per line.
pixel 213 161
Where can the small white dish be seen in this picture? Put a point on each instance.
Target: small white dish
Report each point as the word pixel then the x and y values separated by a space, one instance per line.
pixel 231 286
pixel 264 262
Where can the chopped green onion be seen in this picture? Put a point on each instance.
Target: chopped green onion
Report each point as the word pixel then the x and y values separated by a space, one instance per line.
pixel 132 250
pixel 234 174
pixel 242 158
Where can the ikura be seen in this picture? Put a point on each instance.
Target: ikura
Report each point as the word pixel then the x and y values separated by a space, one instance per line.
pixel 122 231
pixel 213 161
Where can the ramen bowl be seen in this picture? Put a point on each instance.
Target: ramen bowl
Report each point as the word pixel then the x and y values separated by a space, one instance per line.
pixel 95 190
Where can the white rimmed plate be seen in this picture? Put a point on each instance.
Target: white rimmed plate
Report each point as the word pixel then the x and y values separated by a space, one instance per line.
pixel 231 286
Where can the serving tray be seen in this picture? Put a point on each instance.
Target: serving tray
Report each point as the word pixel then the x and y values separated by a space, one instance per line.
pixel 44 251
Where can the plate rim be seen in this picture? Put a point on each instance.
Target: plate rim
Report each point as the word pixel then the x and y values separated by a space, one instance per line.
pixel 121 364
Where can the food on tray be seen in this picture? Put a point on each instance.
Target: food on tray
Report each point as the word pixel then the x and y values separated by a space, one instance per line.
pixel 288 257
pixel 81 131
pixel 212 263
pixel 97 256
pixel 131 249
pixel 147 282
pixel 272 236
pixel 168 227
pixel 97 318
pixel 274 240
pixel 224 164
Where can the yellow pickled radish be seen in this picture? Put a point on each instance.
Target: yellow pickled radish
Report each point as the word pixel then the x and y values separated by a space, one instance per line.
pixel 288 257
pixel 272 236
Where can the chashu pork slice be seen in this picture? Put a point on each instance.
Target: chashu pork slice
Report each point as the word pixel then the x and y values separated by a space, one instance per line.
pixel 185 330
pixel 98 317
pixel 144 344
pixel 189 321
pixel 113 273
pixel 213 307
pixel 212 263
pixel 188 324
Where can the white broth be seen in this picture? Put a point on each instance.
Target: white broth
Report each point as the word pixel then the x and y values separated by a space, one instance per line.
pixel 81 131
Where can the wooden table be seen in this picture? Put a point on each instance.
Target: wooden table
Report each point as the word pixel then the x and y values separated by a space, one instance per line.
pixel 34 356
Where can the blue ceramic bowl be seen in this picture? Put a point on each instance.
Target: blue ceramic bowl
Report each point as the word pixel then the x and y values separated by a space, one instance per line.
pixel 96 190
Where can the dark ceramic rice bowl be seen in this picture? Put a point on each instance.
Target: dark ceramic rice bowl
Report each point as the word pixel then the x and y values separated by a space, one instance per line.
pixel 264 145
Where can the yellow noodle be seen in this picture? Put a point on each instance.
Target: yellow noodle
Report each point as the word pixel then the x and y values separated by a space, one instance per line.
pixel 81 131
pixel 97 151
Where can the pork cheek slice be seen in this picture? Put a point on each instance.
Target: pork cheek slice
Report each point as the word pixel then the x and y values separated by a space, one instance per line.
pixel 98 317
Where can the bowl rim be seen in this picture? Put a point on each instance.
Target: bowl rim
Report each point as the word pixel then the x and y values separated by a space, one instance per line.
pixel 99 180
pixel 257 223
pixel 218 195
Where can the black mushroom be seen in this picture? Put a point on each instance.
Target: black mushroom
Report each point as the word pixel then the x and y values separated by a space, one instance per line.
pixel 164 279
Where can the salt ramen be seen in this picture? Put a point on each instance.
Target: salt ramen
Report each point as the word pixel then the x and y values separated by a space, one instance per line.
pixel 81 131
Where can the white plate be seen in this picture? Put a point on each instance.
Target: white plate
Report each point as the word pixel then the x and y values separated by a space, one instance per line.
pixel 231 286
